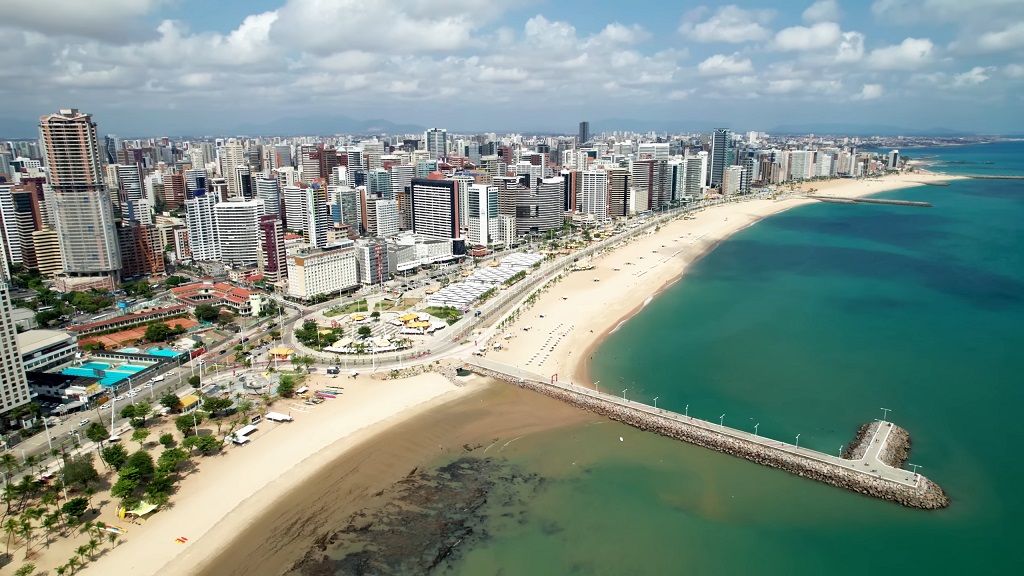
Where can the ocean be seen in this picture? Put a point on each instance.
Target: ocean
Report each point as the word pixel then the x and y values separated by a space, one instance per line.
pixel 809 322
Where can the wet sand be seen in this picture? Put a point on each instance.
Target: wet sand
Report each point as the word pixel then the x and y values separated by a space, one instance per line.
pixel 491 415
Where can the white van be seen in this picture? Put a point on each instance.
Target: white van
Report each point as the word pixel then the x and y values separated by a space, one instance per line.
pixel 157 378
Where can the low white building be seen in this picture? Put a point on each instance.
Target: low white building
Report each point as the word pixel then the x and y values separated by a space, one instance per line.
pixel 45 349
pixel 407 251
pixel 319 271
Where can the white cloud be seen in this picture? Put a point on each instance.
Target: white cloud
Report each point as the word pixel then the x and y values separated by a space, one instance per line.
pixel 910 54
pixel 851 47
pixel 106 20
pixel 973 77
pixel 728 24
pixel 1014 70
pixel 722 64
pixel 944 10
pixel 680 94
pixel 870 92
pixel 803 38
pixel 396 27
pixel 822 11
pixel 784 86
pixel 1009 38
pixel 620 34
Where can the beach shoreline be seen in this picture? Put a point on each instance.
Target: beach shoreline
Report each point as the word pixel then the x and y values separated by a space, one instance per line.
pixel 230 491
pixel 623 285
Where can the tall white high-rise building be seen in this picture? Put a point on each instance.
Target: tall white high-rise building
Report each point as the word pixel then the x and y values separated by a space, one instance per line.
pixel 436 140
pixel 801 165
pixel 294 207
pixel 13 383
pixel 11 235
pixel 317 216
pixel 594 194
pixel 129 181
pixel 696 170
pixel 231 155
pixel 195 179
pixel 267 190
pixel 202 227
pixel 83 215
pixel 482 215
pixel 238 231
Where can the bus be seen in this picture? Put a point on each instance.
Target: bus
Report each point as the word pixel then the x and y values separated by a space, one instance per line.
pixel 98 318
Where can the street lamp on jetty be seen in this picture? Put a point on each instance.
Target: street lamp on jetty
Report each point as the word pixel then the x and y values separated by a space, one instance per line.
pixel 721 421
pixel 687 411
pixel 755 429
pixel 624 393
pixel 885 413
pixel 798 441
pixel 655 402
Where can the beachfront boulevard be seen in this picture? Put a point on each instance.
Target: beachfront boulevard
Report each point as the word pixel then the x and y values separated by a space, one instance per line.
pixel 866 468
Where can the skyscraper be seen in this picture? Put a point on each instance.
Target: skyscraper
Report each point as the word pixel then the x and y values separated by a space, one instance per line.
pixel 719 145
pixel 238 231
pixel 13 384
pixel 584 136
pixel 437 142
pixel 202 228
pixel 435 208
pixel 273 259
pixel 84 217
pixel 231 155
pixel 593 197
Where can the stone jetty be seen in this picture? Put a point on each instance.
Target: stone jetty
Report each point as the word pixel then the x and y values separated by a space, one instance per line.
pixel 879 444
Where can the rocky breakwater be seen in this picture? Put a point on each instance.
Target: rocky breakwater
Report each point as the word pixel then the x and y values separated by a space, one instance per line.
pixel 922 494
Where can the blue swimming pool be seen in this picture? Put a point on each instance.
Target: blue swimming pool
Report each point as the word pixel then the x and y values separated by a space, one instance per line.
pixel 131 368
pixel 164 352
pixel 96 366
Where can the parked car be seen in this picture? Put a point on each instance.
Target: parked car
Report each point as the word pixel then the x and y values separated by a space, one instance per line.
pixel 83 422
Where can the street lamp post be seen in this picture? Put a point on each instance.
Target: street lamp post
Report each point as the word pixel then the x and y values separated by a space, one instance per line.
pixel 755 429
pixel 721 421
pixel 130 391
pixel 840 457
pixel 885 413
pixel 687 413
pixel 46 426
pixel 624 393
pixel 655 402
pixel 797 440
pixel 195 423
pixel 915 468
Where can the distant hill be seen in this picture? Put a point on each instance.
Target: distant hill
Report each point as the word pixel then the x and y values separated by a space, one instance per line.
pixel 864 130
pixel 324 125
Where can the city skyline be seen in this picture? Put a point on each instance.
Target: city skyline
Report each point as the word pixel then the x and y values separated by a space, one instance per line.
pixel 148 67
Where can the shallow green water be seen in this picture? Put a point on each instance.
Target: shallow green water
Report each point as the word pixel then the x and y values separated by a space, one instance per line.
pixel 806 323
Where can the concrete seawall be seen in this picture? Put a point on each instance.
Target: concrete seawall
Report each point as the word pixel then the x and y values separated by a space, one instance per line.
pixel 894 442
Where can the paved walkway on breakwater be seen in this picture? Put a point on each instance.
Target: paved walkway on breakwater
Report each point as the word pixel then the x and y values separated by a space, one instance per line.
pixel 842 200
pixel 868 472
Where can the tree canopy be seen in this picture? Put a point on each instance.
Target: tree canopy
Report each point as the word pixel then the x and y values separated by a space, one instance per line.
pixel 206 313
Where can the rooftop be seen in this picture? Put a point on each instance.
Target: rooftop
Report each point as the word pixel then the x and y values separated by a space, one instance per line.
pixel 34 340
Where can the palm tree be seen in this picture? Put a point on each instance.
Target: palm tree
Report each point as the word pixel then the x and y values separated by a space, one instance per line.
pixel 11 527
pixel 73 564
pixel 10 495
pixel 82 551
pixel 61 570
pixel 25 570
pixel 9 463
pixel 112 537
pixel 50 522
pixel 89 492
pixel 93 545
pixel 26 530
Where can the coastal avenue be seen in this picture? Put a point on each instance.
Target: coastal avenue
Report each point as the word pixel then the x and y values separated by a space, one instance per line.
pixel 869 464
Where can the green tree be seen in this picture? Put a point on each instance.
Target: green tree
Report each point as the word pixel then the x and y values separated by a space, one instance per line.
pixel 80 472
pixel 364 331
pixel 96 432
pixel 140 435
pixel 286 387
pixel 195 380
pixel 114 455
pixel 166 440
pixel 188 422
pixel 141 462
pixel 214 405
pixel 158 332
pixel 173 281
pixel 26 570
pixel 206 313
pixel 303 361
pixel 124 486
pixel 74 508
pixel 171 401
pixel 204 444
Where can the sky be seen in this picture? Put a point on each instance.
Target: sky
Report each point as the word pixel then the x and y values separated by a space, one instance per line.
pixel 171 67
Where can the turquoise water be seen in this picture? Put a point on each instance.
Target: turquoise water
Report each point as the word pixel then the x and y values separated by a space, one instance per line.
pixel 807 323
pixel 95 365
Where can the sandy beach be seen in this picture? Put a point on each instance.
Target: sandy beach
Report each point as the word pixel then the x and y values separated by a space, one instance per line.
pixel 570 320
pixel 229 492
